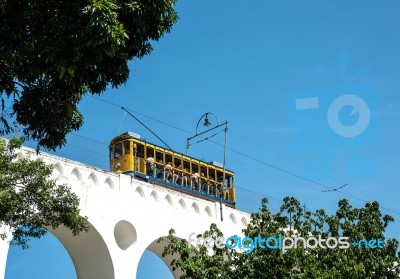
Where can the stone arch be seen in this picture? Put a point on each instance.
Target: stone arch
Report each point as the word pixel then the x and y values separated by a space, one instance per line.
pixel 182 204
pixel 244 222
pixel 88 251
pixel 232 218
pixel 139 192
pixel 168 200
pixel 195 208
pixel 58 170
pixel 92 179
pixel 109 183
pixel 207 210
pixel 157 248
pixel 154 196
pixel 76 175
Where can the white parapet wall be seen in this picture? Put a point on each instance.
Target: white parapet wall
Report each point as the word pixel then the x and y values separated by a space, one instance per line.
pixel 127 216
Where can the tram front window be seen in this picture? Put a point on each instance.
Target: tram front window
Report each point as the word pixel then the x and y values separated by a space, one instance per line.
pixel 117 150
pixel 127 147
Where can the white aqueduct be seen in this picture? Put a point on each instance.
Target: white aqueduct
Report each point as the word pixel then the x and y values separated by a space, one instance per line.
pixel 127 216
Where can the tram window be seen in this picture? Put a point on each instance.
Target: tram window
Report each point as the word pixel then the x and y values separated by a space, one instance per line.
pixel 203 169
pixel 117 150
pixel 159 156
pixel 177 162
pixel 168 158
pixel 186 165
pixel 127 148
pixel 195 168
pixel 211 173
pixel 150 152
pixel 220 176
pixel 140 150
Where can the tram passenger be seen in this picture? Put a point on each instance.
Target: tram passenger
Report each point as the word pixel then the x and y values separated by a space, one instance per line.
pixel 176 177
pixel 212 189
pixel 185 178
pixel 195 181
pixel 219 190
pixel 203 183
pixel 150 165
pixel 168 171
pixel 159 170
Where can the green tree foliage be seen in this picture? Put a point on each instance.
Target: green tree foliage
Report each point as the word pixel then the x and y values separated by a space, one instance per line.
pixel 52 53
pixel 30 201
pixel 353 262
pixel 196 262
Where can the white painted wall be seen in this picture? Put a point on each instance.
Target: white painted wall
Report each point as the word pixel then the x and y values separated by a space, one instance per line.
pixel 127 217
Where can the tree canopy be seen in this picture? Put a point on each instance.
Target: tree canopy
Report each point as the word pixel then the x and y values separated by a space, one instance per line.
pixel 367 254
pixel 52 53
pixel 30 201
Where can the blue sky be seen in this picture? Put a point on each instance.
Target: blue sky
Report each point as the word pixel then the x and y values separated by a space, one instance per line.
pixel 249 63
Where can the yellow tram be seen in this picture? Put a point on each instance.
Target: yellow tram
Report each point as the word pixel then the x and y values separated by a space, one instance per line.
pixel 164 167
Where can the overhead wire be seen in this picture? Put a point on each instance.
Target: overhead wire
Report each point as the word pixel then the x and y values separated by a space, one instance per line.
pixel 321 172
pixel 205 138
pixel 333 189
pixel 247 189
pixel 77 135
pixel 330 189
pixel 261 195
pixel 141 114
pixel 229 148
pixel 250 157
pixel 285 156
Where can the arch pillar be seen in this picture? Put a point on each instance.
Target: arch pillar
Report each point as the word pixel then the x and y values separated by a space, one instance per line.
pixel 4 246
pixel 88 251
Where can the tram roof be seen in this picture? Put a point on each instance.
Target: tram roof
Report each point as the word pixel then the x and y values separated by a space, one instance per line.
pixel 131 135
